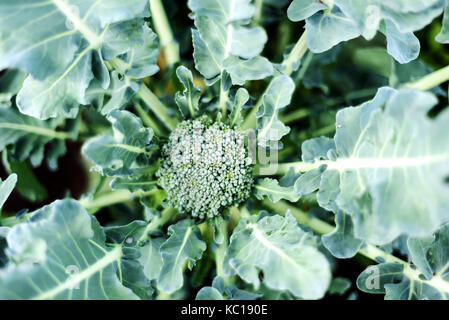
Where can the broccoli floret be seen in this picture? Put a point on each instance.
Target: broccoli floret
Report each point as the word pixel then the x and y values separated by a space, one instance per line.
pixel 205 168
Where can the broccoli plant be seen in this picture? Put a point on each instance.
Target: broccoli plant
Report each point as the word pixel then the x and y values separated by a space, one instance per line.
pixel 224 149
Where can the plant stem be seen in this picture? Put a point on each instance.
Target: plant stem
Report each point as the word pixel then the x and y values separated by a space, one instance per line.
pixel 295 55
pixel 147 120
pixel 110 198
pixel 283 168
pixel 258 15
pixel 431 80
pixel 37 130
pixel 223 99
pixel 294 116
pixel 163 29
pixel 221 250
pixel 155 105
pixel 369 251
pixel 92 205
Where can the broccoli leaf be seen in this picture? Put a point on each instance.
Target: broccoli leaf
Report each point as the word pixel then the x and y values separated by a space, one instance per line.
pixel 286 255
pixel 6 188
pixel 183 246
pixel 331 22
pixel 389 149
pixel 404 282
pixel 61 254
pixel 28 136
pixel 61 48
pixel 223 42
pixel 119 154
pixel 277 96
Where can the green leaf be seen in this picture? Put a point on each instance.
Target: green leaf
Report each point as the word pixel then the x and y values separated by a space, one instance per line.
pixel 132 272
pixel 10 83
pixel 443 36
pixel 60 48
pixel 57 95
pixel 389 149
pixel 302 9
pixel 27 135
pixel 209 293
pixel 325 31
pixel 240 99
pixel 339 286
pixel 61 254
pixel 223 42
pixel 188 100
pixel 120 91
pixel 151 257
pixel 270 188
pixel 341 242
pixel 119 154
pixel 6 188
pixel 28 185
pixel 184 246
pixel 286 255
pixel 403 281
pixel 252 69
pixel 329 23
pixel 277 96
pixel 133 184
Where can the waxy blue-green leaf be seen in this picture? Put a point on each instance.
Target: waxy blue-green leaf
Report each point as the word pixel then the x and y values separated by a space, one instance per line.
pixel 225 11
pixel 341 242
pixel 61 254
pixel 277 96
pixel 302 9
pixel 11 81
pixel 223 42
pixel 6 188
pixel 183 246
pixel 219 291
pixel 270 188
pixel 119 154
pixel 240 99
pixel 140 58
pixel 132 272
pixel 279 248
pixel 60 43
pixel 331 22
pixel 443 36
pixel 29 136
pixel 120 91
pixel 134 183
pixel 428 279
pixel 389 149
pixel 326 30
pixel 51 32
pixel 252 69
pixel 188 100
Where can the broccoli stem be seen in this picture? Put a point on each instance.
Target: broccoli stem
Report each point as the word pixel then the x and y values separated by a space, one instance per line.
pixel 147 120
pixel 223 99
pixel 431 80
pixel 294 116
pixel 92 205
pixel 369 251
pixel 168 43
pixel 155 105
pixel 221 249
pixel 257 20
pixel 295 55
